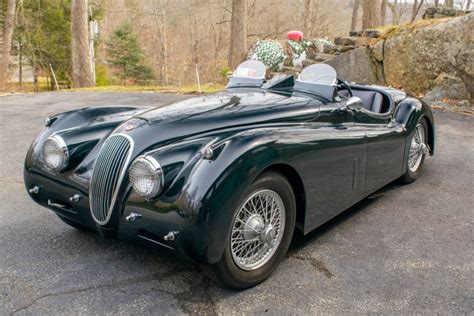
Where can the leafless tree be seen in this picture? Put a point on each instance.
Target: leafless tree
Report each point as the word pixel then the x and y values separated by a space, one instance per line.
pixel 383 11
pixel 468 5
pixel 308 17
pixel 369 14
pixel 82 75
pixel 397 9
pixel 355 11
pixel 8 25
pixel 160 23
pixel 415 9
pixel 238 33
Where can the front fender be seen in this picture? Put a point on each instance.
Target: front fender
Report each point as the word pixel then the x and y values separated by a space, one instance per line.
pixel 81 129
pixel 218 184
pixel 201 198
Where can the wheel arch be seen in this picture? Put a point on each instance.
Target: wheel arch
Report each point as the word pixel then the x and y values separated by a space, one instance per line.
pixel 298 189
pixel 431 134
pixel 410 111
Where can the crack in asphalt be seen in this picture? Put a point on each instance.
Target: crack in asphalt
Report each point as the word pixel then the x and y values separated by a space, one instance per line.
pixel 199 293
pixel 136 280
pixel 318 264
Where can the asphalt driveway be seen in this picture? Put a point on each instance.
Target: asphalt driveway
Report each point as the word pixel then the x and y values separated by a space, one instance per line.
pixel 405 249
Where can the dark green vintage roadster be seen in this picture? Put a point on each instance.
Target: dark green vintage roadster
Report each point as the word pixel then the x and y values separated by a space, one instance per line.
pixel 225 179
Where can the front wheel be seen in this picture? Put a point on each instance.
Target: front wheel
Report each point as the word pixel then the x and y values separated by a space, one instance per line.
pixel 261 233
pixel 417 152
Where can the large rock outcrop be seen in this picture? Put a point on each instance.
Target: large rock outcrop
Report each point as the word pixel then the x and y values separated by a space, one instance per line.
pixel 437 59
pixel 419 59
pixel 356 65
pixel 434 57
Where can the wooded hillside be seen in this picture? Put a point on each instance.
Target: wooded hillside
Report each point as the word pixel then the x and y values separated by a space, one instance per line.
pixel 169 42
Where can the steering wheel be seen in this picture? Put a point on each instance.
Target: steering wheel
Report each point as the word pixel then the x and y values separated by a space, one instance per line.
pixel 342 85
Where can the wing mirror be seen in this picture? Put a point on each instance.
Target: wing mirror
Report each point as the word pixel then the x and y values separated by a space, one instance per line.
pixel 354 103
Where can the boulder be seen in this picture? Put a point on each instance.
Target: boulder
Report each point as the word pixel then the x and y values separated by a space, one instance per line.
pixel 414 58
pixel 355 65
pixel 447 87
pixel 431 10
pixel 343 49
pixel 372 33
pixel 356 33
pixel 376 50
pixel 365 41
pixel 345 41
pixel 442 12
pixel 328 49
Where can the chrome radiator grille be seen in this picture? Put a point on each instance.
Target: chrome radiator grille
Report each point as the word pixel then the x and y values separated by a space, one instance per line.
pixel 107 176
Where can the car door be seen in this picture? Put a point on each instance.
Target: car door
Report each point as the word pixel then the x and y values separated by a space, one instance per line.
pixel 332 165
pixel 385 147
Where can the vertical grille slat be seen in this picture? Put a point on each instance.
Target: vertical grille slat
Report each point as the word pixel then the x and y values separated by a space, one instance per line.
pixel 107 176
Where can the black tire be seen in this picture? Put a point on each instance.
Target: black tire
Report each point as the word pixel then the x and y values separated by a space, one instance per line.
pixel 74 224
pixel 409 175
pixel 226 270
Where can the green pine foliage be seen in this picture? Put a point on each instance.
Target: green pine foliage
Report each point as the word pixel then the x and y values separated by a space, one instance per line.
pixel 44 31
pixel 125 55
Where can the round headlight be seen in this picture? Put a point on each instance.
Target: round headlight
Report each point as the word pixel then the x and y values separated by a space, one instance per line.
pixel 55 153
pixel 146 176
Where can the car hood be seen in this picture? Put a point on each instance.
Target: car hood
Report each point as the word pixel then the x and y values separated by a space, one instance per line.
pixel 218 111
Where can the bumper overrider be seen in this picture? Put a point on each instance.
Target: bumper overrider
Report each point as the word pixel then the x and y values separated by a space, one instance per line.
pixel 101 198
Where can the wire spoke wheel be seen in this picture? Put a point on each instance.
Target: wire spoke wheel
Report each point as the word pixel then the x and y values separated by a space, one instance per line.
pixel 257 229
pixel 418 148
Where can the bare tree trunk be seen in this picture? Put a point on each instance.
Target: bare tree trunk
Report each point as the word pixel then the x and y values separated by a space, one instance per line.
pixel 355 11
pixel 393 10
pixel 238 33
pixel 82 75
pixel 415 9
pixel 468 5
pixel 449 3
pixel 161 30
pixel 8 27
pixel 436 3
pixel 369 14
pixel 383 11
pixel 307 18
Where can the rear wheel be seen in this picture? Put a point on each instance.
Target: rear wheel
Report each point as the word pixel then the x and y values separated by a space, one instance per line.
pixel 261 232
pixel 417 152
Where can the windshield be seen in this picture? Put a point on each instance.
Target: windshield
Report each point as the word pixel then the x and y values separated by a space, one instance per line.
pixel 253 69
pixel 250 73
pixel 319 73
pixel 318 79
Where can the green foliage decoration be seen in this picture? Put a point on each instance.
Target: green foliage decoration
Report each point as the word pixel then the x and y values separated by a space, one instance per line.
pixel 269 52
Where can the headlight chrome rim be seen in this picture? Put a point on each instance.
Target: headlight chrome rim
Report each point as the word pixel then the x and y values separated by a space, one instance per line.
pixel 155 169
pixel 62 149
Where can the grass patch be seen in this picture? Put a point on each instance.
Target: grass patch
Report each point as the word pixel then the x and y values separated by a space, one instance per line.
pixel 186 89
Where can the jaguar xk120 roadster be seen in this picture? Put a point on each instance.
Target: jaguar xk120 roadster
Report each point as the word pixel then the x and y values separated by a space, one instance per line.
pixel 225 179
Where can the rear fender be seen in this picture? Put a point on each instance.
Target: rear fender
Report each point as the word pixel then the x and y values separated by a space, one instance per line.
pixel 409 112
